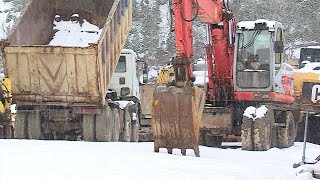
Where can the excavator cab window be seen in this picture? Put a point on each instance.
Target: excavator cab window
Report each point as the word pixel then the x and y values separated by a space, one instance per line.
pixel 253 60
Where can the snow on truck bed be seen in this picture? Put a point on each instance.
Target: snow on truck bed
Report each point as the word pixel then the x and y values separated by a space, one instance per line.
pixel 74 33
pixel 38 160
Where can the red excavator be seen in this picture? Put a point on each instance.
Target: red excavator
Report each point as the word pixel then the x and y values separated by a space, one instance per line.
pixel 245 64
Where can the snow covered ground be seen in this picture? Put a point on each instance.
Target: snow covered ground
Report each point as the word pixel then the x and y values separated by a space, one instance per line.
pixel 28 159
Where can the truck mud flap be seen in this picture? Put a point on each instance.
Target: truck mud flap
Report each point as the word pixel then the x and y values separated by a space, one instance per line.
pixel 176 117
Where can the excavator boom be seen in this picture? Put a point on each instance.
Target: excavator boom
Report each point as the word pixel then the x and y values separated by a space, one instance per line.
pixel 178 106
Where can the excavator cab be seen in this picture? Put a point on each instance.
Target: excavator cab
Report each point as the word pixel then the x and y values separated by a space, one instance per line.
pixel 259 68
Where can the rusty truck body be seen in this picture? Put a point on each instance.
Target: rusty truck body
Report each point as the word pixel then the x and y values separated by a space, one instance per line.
pixel 61 92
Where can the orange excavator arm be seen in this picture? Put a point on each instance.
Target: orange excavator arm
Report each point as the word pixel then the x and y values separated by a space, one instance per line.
pixel 177 109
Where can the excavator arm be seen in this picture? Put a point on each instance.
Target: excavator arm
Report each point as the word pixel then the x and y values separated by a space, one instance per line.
pixel 177 107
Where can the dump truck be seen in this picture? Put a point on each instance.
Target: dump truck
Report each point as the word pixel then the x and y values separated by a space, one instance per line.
pixel 65 91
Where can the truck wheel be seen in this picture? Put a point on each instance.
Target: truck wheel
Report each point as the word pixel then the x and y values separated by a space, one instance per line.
pixel 34 125
pixel 246 134
pixel 88 127
pixel 213 141
pixel 8 132
pixel 20 131
pixel 104 125
pixel 135 130
pixel 116 125
pixel 286 135
pixel 126 133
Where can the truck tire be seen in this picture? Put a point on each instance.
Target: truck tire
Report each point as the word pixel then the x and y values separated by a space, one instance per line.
pixel 135 130
pixel 34 125
pixel 116 125
pixel 8 132
pixel 88 127
pixel 126 133
pixel 20 131
pixel 202 135
pixel 286 135
pixel 104 125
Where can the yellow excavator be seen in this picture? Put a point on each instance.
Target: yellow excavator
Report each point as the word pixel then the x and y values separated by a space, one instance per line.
pixel 6 126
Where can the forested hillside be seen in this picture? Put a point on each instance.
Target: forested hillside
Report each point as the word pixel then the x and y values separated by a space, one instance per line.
pixel 152 39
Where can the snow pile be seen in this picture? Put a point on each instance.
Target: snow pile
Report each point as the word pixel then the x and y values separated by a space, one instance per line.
pixel 123 104
pixel 74 33
pixel 38 160
pixel 310 67
pixel 255 113
pixel 251 24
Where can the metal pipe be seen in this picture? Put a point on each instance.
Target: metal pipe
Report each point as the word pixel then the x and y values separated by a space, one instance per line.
pixel 305 139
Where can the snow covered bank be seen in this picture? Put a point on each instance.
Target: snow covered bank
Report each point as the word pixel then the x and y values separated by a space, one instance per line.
pixel 38 160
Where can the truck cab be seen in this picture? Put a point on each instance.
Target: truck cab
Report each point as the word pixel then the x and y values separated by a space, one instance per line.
pixel 125 78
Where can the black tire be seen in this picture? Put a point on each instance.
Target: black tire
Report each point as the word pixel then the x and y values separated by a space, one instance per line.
pixel 126 133
pixel 88 127
pixel 104 125
pixel 34 125
pixel 262 132
pixel 256 135
pixel 116 125
pixel 135 130
pixel 202 136
pixel 246 134
pixel 213 141
pixel 20 131
pixel 287 134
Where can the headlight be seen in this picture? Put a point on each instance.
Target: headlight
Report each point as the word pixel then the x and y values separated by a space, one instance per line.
pixel 125 91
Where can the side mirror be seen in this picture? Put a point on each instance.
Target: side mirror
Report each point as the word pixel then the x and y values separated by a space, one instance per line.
pixel 278 47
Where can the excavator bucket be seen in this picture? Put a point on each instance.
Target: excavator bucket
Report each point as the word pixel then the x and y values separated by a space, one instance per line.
pixel 176 116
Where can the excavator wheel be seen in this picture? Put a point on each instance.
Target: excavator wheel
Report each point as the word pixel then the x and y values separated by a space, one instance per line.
pixel 256 135
pixel 246 133
pixel 262 133
pixel 286 134
pixel 176 115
